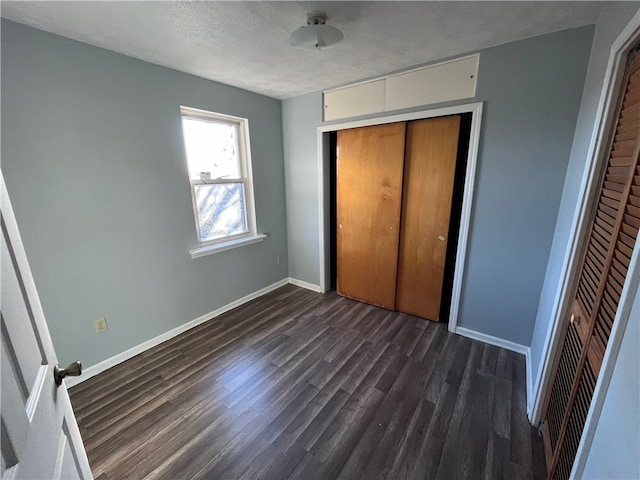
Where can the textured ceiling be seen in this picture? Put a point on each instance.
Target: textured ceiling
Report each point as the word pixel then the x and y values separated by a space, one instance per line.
pixel 246 44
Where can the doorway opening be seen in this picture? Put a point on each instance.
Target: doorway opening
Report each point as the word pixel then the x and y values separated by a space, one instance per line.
pixel 465 171
pixel 455 217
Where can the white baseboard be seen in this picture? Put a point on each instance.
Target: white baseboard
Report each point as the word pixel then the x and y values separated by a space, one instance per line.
pixel 529 386
pixel 491 340
pixel 514 347
pixel 309 286
pixel 94 370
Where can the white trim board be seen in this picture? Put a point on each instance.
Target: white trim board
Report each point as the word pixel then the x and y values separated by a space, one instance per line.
pixel 598 149
pixel 527 359
pixel 465 215
pixel 507 345
pixel 309 286
pixel 94 370
pixel 491 340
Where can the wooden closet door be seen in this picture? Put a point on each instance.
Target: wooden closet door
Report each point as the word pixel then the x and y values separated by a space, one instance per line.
pixel 430 163
pixel 611 240
pixel 369 189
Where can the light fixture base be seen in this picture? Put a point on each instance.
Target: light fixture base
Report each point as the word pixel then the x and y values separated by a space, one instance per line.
pixel 316 19
pixel 315 35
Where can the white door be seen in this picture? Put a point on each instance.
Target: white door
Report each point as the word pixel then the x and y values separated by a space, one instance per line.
pixel 40 436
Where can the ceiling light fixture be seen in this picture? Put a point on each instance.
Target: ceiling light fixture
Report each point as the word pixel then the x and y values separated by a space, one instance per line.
pixel 315 35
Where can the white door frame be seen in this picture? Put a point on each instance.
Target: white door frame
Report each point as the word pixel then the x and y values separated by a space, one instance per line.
pixel 597 156
pixel 465 217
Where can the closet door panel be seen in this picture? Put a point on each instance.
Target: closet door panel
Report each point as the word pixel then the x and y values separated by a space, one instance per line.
pixel 430 162
pixel 369 191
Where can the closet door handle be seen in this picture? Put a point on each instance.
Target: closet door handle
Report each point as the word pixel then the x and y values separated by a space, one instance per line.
pixel 441 238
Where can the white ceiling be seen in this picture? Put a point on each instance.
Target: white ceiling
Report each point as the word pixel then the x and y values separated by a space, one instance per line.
pixel 246 44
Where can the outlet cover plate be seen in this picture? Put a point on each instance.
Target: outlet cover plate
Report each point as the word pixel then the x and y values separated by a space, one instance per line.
pixel 100 325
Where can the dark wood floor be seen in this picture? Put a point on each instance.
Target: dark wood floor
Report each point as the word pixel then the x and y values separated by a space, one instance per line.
pixel 301 385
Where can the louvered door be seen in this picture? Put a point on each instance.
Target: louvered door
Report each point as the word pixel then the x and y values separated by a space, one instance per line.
pixel 611 239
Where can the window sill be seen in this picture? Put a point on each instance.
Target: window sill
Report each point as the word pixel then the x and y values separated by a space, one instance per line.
pixel 221 247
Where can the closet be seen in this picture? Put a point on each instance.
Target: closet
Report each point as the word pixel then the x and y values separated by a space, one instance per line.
pixel 611 238
pixel 394 186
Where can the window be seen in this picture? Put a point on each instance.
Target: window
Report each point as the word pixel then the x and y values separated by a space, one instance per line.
pixel 218 159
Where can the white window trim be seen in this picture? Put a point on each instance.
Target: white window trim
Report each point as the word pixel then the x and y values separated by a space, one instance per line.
pixel 246 177
pixel 227 245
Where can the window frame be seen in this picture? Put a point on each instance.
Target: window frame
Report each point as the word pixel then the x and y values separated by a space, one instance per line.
pixel 246 179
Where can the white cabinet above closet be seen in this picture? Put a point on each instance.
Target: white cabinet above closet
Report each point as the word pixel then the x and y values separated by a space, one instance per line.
pixel 443 82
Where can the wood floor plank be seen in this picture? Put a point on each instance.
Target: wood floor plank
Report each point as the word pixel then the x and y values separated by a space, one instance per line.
pixel 173 443
pixel 369 440
pixel 302 385
pixel 381 460
pixel 306 468
pixel 340 437
pixel 424 343
pixel 464 454
pixel 285 464
pixel 394 367
pixel 322 420
pixel 520 452
pixel 237 463
pixel 501 417
pixel 403 461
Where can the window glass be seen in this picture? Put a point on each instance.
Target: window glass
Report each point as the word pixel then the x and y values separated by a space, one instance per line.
pixel 211 147
pixel 221 210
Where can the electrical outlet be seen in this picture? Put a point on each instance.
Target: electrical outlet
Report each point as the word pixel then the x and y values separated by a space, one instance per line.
pixel 279 259
pixel 100 325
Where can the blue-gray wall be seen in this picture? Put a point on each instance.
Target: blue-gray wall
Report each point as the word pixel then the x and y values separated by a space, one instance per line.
pixel 531 91
pixel 611 22
pixel 93 161
pixel 300 116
